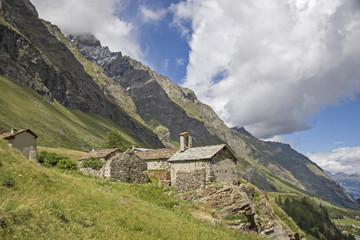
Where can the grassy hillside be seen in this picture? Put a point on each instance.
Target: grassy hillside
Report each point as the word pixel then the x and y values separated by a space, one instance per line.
pixel 72 154
pixel 42 203
pixel 56 125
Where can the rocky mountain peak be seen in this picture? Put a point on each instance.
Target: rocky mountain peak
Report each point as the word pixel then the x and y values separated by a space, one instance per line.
pixel 91 48
pixel 87 39
pixel 25 5
pixel 242 130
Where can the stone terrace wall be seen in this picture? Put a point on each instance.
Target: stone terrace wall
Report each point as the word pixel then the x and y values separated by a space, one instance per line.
pixel 187 180
pixel 161 175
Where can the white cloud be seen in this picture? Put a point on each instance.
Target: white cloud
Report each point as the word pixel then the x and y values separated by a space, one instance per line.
pixel 180 62
pixel 96 17
pixel 165 63
pixel 149 15
pixel 346 160
pixel 284 60
pixel 293 143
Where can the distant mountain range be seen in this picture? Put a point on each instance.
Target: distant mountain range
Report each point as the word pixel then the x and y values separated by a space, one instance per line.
pixel 85 85
pixel 351 182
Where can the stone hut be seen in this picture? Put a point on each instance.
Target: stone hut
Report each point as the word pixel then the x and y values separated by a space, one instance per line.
pixel 123 167
pixel 24 140
pixel 102 154
pixel 194 167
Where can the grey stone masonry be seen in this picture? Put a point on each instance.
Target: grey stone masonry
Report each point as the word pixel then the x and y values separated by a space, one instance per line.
pixel 128 167
pixel 124 167
pixel 195 167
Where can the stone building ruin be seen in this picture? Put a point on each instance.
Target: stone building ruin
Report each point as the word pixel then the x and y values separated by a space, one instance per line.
pixel 123 167
pixel 24 140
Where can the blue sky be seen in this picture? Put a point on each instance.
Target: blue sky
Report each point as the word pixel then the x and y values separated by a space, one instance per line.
pixel 286 70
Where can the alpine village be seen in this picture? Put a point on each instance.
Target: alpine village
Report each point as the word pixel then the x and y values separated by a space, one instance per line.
pixel 96 145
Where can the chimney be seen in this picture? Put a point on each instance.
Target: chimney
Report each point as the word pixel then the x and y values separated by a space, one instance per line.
pixel 13 131
pixel 185 141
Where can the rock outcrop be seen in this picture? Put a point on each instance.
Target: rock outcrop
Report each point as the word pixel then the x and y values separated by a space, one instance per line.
pixel 242 208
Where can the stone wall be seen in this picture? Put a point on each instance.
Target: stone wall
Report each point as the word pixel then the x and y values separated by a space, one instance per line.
pixel 161 175
pixel 223 167
pixel 127 167
pixel 90 171
pixel 189 166
pixel 158 164
pixel 187 180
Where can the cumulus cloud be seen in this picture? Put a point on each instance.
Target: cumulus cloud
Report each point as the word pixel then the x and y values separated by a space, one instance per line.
pixel 149 15
pixel 346 160
pixel 270 65
pixel 96 17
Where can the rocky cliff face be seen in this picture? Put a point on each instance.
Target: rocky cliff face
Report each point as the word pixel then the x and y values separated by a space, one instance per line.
pixel 31 55
pixel 150 92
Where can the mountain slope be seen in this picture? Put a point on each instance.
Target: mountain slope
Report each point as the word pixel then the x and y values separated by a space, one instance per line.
pixel 149 93
pixel 31 55
pixel 350 182
pixel 56 125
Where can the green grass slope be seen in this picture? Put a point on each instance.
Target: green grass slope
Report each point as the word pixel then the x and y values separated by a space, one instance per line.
pixel 56 125
pixel 42 203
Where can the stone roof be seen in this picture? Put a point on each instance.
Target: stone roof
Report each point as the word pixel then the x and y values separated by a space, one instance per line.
pixel 197 153
pixel 12 134
pixel 102 153
pixel 152 154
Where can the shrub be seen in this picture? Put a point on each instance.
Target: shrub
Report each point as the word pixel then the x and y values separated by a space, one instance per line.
pixel 66 164
pixel 49 159
pixel 94 163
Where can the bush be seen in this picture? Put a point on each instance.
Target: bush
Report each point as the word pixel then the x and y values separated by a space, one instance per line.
pixel 66 164
pixel 94 163
pixel 49 159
